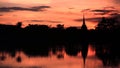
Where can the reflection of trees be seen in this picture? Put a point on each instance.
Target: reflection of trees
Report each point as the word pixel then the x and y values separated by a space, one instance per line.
pixel 18 59
pixel 2 57
pixel 73 49
pixel 108 53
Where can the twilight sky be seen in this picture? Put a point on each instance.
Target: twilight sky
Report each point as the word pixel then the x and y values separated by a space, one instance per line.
pixel 52 12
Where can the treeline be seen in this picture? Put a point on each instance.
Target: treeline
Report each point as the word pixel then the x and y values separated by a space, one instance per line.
pixel 45 36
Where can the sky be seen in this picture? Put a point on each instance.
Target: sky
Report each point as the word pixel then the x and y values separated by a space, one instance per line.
pixel 53 12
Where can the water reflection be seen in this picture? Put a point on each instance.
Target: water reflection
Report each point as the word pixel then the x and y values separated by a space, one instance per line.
pixel 2 57
pixel 108 53
pixel 57 58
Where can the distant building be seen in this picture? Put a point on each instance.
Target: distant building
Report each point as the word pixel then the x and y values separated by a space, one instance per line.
pixel 83 27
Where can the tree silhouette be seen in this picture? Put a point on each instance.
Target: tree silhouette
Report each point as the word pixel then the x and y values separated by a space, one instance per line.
pixel 19 24
pixel 107 24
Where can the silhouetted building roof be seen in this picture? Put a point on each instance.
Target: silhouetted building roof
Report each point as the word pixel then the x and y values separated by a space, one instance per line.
pixel 84 27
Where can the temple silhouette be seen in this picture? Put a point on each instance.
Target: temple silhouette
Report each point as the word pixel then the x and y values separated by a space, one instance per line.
pixel 84 27
pixel 37 40
pixel 85 44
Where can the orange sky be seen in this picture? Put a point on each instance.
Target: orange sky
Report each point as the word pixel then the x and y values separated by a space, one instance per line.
pixel 67 12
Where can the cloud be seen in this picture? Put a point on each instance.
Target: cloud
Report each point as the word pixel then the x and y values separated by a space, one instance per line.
pixel 39 8
pixel 94 19
pixel 85 10
pixel 4 9
pixel 116 1
pixel 51 21
pixel 109 7
pixel 105 11
pixel 54 21
pixel 36 8
pixel 71 8
pixel 110 11
pixel 1 15
pixel 115 16
pixel 35 20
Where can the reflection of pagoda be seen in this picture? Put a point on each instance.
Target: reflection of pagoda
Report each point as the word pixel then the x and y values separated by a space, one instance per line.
pixel 84 40
pixel 83 27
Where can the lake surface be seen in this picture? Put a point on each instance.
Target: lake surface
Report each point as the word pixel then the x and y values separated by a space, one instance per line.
pixel 59 59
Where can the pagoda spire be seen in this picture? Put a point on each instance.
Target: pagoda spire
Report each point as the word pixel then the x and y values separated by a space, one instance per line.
pixel 83 19
pixel 84 27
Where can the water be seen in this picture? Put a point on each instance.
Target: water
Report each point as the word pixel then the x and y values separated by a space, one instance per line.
pixel 57 59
